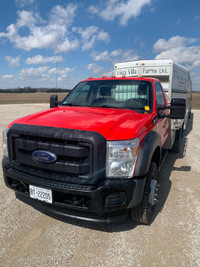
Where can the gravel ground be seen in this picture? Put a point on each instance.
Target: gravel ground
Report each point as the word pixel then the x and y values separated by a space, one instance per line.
pixel 30 238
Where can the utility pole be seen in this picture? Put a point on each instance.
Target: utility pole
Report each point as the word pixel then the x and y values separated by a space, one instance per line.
pixel 56 74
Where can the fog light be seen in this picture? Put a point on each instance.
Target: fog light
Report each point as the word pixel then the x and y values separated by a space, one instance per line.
pixel 114 199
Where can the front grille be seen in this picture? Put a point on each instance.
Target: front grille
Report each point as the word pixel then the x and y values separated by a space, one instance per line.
pixel 76 152
pixel 72 157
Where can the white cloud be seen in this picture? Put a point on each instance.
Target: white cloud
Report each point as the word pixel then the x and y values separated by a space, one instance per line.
pixel 31 74
pixel 93 9
pixel 63 78
pixel 25 18
pixel 128 55
pixel 176 41
pixel 7 77
pixel 123 9
pixel 31 31
pixel 103 56
pixel 90 35
pixel 62 74
pixel 63 16
pixel 94 68
pixel 7 81
pixel 23 3
pixel 115 56
pixel 41 76
pixel 13 61
pixel 195 82
pixel 38 59
pixel 59 71
pixel 179 49
pixel 103 36
pixel 67 46
pixel 51 34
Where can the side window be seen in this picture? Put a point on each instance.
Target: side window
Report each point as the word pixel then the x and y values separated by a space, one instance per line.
pixel 160 100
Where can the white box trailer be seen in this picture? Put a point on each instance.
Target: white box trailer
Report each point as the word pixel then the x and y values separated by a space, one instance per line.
pixel 175 80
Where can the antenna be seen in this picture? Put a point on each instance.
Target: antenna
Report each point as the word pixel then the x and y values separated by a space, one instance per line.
pixel 56 74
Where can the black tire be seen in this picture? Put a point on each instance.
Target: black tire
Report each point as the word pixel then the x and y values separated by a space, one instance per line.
pixel 143 213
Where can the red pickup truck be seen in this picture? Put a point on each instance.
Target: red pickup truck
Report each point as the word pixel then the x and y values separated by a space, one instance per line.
pixel 95 155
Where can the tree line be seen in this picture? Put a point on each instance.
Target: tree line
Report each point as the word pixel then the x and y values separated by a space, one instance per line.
pixel 34 90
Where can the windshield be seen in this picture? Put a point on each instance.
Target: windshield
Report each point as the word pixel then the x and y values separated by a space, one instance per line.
pixel 127 94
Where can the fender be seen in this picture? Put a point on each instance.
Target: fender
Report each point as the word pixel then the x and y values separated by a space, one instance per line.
pixel 149 145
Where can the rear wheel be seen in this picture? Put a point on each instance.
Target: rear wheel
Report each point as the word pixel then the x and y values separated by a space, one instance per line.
pixel 143 213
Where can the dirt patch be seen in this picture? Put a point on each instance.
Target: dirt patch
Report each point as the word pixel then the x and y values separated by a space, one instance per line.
pixel 30 238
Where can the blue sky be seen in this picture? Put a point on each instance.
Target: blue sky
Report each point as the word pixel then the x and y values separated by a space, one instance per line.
pixel 84 38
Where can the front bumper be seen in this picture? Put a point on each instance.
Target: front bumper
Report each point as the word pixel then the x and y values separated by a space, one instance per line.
pixel 108 201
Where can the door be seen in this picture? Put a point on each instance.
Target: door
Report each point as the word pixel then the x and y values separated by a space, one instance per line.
pixel 163 123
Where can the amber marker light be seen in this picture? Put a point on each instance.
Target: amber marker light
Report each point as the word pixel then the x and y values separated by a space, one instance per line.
pixel 90 77
pixel 104 76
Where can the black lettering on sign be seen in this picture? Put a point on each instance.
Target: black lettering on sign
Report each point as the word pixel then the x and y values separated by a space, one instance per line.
pixel 163 71
pixel 149 71
pixel 121 72
pixel 132 71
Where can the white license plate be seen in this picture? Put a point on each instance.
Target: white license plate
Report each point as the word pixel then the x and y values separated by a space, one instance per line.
pixel 40 193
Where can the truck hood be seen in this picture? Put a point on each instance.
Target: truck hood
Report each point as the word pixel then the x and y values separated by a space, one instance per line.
pixel 113 124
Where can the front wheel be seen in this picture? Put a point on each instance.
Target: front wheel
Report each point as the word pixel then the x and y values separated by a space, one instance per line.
pixel 143 213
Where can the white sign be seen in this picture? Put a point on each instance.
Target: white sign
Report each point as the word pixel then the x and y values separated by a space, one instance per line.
pixel 155 71
pixel 143 70
pixel 128 72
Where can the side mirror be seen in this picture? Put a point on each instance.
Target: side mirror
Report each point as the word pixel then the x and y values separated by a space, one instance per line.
pixel 53 101
pixel 177 109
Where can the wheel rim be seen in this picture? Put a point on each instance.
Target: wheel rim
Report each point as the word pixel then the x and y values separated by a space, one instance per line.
pixel 153 195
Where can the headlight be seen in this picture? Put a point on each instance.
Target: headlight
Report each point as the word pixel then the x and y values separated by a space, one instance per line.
pixel 5 145
pixel 121 158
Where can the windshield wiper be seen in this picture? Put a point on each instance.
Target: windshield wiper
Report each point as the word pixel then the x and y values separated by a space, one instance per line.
pixel 106 106
pixel 135 108
pixel 70 104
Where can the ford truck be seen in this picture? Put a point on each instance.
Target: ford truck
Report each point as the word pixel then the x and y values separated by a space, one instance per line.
pixel 96 155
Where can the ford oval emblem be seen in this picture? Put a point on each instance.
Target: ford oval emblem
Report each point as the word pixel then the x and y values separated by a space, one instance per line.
pixel 44 156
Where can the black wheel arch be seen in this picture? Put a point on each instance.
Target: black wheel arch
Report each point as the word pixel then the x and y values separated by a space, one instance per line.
pixel 150 151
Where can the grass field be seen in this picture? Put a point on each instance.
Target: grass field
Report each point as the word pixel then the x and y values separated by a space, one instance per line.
pixel 196 100
pixel 27 98
pixel 44 98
